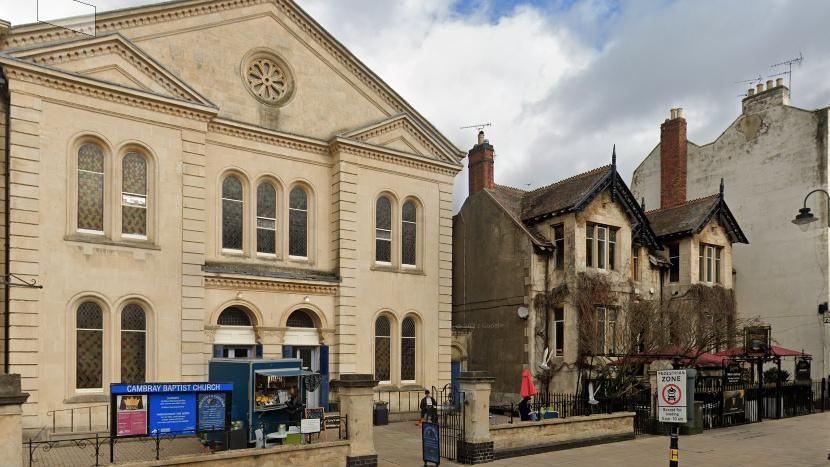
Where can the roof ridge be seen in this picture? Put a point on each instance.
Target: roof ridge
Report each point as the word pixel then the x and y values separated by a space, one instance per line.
pixel 507 187
pixel 702 198
pixel 590 172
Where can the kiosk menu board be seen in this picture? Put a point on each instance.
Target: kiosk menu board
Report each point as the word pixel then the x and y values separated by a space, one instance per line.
pixel 175 408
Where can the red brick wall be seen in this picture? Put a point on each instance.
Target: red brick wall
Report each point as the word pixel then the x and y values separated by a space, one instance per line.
pixel 673 162
pixel 480 168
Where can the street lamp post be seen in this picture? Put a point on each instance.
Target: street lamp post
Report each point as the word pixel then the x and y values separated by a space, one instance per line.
pixel 805 216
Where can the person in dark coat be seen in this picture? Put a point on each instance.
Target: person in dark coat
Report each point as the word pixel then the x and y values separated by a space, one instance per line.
pixel 294 406
pixel 429 408
pixel 525 409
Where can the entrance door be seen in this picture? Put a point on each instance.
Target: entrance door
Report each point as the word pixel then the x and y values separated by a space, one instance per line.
pixel 311 362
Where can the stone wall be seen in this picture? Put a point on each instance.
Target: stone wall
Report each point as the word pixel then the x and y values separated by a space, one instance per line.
pixel 329 454
pixel 522 438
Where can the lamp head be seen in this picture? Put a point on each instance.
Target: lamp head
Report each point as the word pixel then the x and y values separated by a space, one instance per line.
pixel 804 218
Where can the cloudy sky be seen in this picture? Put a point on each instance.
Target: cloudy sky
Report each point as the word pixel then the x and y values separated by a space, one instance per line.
pixel 561 81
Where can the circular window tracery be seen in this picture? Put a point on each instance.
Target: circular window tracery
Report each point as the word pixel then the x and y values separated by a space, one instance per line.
pixel 267 78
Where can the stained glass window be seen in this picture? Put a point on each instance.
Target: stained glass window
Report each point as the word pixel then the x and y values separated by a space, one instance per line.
pixel 91 188
pixel 409 233
pixel 266 219
pixel 298 223
pixel 232 213
pixel 133 344
pixel 300 319
pixel 383 230
pixel 89 350
pixel 383 348
pixel 234 316
pixel 134 195
pixel 408 349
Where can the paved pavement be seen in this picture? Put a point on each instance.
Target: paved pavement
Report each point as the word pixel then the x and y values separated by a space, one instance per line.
pixel 798 441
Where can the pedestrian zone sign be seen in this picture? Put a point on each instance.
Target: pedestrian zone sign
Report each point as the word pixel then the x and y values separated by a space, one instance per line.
pixel 671 396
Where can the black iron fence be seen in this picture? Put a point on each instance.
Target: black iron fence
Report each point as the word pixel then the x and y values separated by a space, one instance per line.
pixel 400 400
pixel 103 449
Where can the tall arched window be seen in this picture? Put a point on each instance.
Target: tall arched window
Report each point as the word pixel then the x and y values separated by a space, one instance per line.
pixel 383 230
pixel 234 316
pixel 408 346
pixel 266 219
pixel 232 213
pixel 298 223
pixel 409 232
pixel 300 319
pixel 89 346
pixel 133 344
pixel 383 348
pixel 91 188
pixel 134 195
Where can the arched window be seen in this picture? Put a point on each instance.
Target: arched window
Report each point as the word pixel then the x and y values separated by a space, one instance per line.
pixel 266 219
pixel 383 230
pixel 383 348
pixel 298 223
pixel 232 213
pixel 234 316
pixel 91 188
pixel 133 344
pixel 134 195
pixel 89 346
pixel 408 349
pixel 300 319
pixel 409 232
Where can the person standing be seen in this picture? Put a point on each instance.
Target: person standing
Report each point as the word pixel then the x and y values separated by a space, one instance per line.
pixel 428 408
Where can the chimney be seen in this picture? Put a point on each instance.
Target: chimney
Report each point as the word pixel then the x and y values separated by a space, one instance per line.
pixel 774 93
pixel 480 165
pixel 673 160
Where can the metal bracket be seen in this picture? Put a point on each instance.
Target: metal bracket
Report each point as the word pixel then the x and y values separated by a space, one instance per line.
pixel 9 280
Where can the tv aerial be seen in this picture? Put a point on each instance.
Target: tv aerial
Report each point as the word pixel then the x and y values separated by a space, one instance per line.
pixel 789 69
pixel 477 126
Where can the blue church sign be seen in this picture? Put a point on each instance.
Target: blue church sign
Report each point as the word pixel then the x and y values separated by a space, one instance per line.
pixel 431 444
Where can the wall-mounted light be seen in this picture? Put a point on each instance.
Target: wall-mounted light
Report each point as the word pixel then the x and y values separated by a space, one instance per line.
pixel 523 312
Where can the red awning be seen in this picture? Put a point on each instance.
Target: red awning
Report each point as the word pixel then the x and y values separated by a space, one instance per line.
pixel 776 351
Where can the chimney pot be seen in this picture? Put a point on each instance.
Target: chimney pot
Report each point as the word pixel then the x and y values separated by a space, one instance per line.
pixel 759 87
pixel 779 82
pixel 481 137
pixel 680 112
pixel 672 114
pixel 750 92
pixel 770 84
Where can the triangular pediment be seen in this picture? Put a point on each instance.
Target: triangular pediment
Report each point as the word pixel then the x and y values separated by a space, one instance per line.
pixel 401 133
pixel 112 58
pixel 211 44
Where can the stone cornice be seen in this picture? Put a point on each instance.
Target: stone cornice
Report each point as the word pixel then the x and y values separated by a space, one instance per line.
pixel 401 121
pixel 118 45
pixel 263 135
pixel 76 84
pixel 235 283
pixel 27 35
pixel 393 156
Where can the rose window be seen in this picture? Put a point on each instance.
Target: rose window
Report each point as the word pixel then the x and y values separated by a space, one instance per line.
pixel 267 80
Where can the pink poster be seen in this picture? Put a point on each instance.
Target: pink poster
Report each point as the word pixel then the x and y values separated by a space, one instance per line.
pixel 131 417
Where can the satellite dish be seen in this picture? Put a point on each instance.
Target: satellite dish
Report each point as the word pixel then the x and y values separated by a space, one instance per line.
pixel 523 312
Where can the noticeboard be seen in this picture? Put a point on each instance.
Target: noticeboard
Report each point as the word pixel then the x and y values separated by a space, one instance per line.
pixel 180 408
pixel 734 401
pixel 802 369
pixel 671 396
pixel 430 443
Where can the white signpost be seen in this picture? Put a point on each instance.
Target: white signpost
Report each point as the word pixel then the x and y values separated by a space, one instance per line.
pixel 671 396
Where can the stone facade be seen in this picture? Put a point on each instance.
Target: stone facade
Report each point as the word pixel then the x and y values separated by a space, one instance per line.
pixel 279 104
pixel 769 158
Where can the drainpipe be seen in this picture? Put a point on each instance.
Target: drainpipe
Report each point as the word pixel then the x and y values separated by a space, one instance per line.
pixel 4 87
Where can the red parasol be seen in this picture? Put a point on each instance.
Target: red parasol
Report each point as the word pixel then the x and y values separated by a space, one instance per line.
pixel 528 388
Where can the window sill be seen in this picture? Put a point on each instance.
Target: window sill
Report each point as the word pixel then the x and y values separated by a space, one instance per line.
pixel 86 398
pixel 127 243
pixel 383 268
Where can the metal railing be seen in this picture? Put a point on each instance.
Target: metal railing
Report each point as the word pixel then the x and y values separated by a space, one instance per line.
pixel 79 414
pixel 102 449
pixel 400 400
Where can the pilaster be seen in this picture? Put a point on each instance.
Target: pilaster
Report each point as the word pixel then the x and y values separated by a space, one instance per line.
pixel 445 200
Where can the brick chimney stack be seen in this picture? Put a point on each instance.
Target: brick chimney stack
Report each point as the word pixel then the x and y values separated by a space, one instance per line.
pixel 480 165
pixel 673 160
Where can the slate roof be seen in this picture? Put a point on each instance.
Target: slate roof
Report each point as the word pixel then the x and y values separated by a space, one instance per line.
pixel 529 208
pixel 692 216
